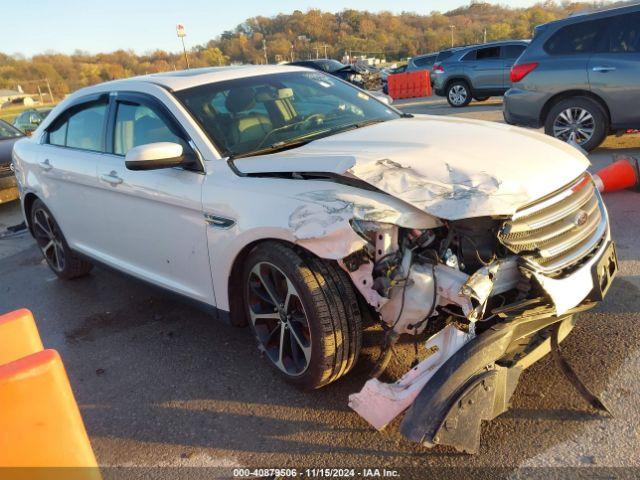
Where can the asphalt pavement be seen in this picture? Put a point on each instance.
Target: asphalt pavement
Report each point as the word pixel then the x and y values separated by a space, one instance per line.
pixel 161 384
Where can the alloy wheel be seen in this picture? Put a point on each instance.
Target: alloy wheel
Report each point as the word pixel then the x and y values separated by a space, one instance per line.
pixel 575 125
pixel 279 319
pixel 49 239
pixel 458 94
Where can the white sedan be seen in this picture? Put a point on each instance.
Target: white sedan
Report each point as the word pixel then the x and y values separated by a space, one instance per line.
pixel 291 201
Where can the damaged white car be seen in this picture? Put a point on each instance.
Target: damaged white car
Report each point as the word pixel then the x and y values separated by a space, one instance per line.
pixel 296 203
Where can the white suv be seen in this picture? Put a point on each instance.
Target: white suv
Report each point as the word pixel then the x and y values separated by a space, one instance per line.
pixel 289 200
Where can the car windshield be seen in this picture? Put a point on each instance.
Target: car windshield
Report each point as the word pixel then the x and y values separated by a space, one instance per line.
pixel 7 131
pixel 252 114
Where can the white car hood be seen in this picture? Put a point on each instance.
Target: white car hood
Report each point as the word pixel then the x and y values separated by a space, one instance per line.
pixel 450 168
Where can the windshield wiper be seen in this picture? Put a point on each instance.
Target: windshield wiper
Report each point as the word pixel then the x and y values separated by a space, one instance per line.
pixel 273 148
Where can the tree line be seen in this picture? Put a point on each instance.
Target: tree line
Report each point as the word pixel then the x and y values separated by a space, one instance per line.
pixel 297 35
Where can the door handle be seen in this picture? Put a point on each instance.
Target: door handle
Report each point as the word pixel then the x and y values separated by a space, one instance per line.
pixel 111 178
pixel 603 69
pixel 46 165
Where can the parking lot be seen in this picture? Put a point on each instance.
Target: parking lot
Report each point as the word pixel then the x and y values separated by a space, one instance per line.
pixel 160 383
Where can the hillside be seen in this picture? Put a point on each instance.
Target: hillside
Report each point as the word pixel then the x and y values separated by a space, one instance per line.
pixel 301 34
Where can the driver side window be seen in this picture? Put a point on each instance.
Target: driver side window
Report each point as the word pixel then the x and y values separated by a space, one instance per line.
pixel 139 125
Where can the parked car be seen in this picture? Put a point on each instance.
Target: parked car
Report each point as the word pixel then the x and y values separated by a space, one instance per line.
pixel 421 62
pixel 476 72
pixel 580 77
pixel 29 120
pixel 360 75
pixel 385 72
pixel 8 187
pixel 291 201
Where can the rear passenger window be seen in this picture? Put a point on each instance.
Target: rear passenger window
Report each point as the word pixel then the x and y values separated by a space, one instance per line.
pixel 423 61
pixel 488 53
pixel 625 35
pixel 575 39
pixel 83 129
pixel 513 51
pixel 469 57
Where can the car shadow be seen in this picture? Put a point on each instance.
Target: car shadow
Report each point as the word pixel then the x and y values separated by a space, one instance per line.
pixel 150 370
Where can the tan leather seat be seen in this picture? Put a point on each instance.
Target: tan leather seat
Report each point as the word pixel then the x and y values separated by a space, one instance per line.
pixel 248 129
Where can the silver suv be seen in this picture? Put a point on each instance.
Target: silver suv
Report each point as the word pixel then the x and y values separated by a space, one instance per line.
pixel 476 72
pixel 580 77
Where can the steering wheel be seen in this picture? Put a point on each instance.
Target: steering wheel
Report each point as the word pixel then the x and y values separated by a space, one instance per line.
pixel 318 117
pixel 290 126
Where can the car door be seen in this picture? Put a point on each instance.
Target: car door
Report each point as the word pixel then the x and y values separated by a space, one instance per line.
pixel 156 226
pixel 614 70
pixel 67 168
pixel 484 68
pixel 509 54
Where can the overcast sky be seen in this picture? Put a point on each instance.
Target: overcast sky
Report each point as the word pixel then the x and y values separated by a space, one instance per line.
pixel 36 26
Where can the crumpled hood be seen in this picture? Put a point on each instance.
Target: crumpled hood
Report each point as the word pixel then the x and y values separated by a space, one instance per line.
pixel 451 168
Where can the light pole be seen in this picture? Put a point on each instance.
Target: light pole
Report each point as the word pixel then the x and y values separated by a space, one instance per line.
pixel 452 27
pixel 181 34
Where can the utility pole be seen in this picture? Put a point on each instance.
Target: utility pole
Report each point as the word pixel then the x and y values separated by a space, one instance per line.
pixel 325 50
pixel 317 52
pixel 40 93
pixel 292 59
pixel 485 35
pixel 181 34
pixel 264 47
pixel 49 88
pixel 452 27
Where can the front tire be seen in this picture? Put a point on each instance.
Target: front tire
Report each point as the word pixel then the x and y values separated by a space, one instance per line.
pixel 578 120
pixel 304 314
pixel 481 99
pixel 458 94
pixel 64 262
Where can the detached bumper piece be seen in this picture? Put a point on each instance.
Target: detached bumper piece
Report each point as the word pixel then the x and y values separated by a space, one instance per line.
pixel 475 385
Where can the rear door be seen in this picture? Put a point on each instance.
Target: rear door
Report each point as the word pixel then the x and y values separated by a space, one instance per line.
pixel 510 54
pixel 67 163
pixel 157 230
pixel 484 68
pixel 614 70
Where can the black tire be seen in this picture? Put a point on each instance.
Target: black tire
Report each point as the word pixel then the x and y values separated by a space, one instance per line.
pixel 555 123
pixel 458 94
pixel 481 99
pixel 333 329
pixel 64 262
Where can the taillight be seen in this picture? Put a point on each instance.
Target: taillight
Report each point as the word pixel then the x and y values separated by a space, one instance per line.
pixel 438 68
pixel 518 72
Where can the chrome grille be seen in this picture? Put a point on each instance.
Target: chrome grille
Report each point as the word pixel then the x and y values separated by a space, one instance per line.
pixel 560 230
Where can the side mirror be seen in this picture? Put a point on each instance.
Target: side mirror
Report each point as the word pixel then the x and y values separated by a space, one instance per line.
pixel 35 120
pixel 152 156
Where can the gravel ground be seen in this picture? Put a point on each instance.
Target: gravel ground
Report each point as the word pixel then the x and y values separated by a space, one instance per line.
pixel 161 384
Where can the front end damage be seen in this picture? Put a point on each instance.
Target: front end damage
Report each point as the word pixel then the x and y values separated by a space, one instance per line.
pixel 503 288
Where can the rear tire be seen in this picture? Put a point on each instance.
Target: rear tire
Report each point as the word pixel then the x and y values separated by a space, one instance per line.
pixel 64 262
pixel 458 94
pixel 321 318
pixel 579 118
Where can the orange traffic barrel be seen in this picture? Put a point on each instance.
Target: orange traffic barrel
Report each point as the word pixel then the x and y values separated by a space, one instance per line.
pixel 18 336
pixel 40 424
pixel 621 174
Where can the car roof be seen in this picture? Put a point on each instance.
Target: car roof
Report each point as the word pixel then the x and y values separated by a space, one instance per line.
pixel 184 79
pixel 590 14
pixel 422 55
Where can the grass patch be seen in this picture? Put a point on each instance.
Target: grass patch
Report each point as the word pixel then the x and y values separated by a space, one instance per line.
pixel 8 114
